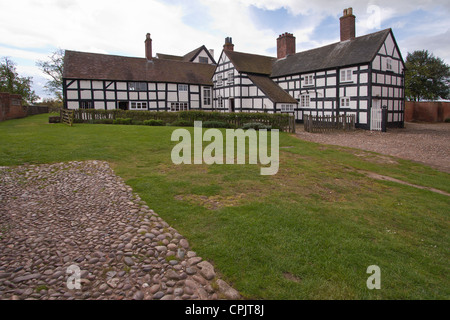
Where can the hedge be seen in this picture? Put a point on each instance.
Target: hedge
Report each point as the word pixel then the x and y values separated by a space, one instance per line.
pixel 284 122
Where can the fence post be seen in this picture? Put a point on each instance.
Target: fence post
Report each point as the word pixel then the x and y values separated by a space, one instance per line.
pixel 293 122
pixel 384 118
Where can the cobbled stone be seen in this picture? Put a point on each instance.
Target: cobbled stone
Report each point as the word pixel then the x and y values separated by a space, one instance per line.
pixel 78 220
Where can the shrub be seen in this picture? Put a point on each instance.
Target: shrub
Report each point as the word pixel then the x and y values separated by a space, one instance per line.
pixel 215 124
pixel 54 119
pixel 447 120
pixel 256 126
pixel 153 122
pixel 182 123
pixel 186 118
pixel 126 121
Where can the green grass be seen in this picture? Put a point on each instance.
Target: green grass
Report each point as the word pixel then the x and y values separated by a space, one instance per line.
pixel 309 232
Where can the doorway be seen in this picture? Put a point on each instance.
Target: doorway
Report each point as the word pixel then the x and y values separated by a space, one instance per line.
pixel 231 105
pixel 376 116
pixel 123 105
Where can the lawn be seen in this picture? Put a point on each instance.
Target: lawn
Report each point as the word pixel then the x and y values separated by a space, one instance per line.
pixel 309 232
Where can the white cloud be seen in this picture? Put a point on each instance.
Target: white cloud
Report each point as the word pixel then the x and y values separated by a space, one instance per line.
pixel 119 27
pixel 98 26
pixel 438 44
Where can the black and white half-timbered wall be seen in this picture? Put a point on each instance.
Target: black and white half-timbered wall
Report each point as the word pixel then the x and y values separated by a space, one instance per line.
pixel 356 76
pixel 169 83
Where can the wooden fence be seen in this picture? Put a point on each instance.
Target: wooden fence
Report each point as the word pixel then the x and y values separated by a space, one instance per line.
pixel 67 116
pixel 319 124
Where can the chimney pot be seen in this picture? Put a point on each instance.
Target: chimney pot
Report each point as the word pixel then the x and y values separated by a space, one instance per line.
pixel 347 21
pixel 285 45
pixel 228 46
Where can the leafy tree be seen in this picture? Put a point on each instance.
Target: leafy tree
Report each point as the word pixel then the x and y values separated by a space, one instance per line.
pixel 11 82
pixel 427 77
pixel 54 68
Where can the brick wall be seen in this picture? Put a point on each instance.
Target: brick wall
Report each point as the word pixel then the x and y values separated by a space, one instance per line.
pixel 348 28
pixel 285 45
pixel 427 111
pixel 11 106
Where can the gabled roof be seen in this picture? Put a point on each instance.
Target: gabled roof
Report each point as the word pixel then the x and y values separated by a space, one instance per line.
pixel 272 90
pixel 250 63
pixel 188 57
pixel 83 65
pixel 360 50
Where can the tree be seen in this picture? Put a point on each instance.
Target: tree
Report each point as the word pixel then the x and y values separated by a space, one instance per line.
pixel 54 68
pixel 427 77
pixel 11 82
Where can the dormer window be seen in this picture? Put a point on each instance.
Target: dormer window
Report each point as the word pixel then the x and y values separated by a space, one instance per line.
pixel 346 75
pixel 309 80
pixel 305 100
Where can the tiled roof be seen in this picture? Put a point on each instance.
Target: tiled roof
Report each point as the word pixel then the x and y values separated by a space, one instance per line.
pixel 272 90
pixel 360 50
pixel 82 65
pixel 251 63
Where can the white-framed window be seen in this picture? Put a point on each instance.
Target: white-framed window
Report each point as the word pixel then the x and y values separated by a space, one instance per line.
pixel 86 104
pixel 182 87
pixel 305 100
pixel 287 108
pixel 137 86
pixel 207 96
pixel 203 59
pixel 346 75
pixel 309 80
pixel 345 102
pixel 389 64
pixel 179 106
pixel 137 105
pixel 219 80
pixel 219 102
pixel 230 78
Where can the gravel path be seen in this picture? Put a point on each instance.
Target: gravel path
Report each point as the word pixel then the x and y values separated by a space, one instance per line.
pixel 428 143
pixel 58 219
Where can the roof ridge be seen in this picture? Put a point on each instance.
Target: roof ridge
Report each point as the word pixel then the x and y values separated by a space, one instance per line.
pixel 250 54
pixel 338 42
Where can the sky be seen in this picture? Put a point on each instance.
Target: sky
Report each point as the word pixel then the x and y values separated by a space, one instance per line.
pixel 30 30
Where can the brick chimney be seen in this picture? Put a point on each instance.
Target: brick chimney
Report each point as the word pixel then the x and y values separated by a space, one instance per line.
pixel 285 45
pixel 148 47
pixel 228 46
pixel 348 25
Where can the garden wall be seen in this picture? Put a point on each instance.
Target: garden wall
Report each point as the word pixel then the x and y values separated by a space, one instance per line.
pixel 11 106
pixel 427 111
